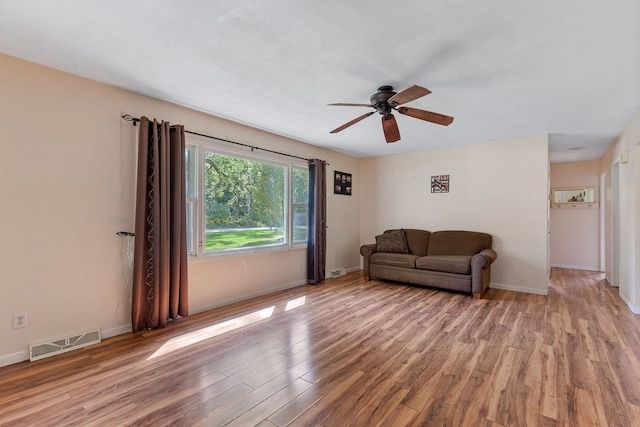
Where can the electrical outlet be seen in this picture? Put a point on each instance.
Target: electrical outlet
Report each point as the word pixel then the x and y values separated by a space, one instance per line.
pixel 19 320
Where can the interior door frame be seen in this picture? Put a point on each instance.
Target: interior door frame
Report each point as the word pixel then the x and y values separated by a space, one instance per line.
pixel 603 223
pixel 615 224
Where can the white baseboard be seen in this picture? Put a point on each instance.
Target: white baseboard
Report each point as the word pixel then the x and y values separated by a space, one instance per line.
pixel 234 300
pixel 108 333
pixel 634 309
pixel 576 267
pixel 522 289
pixel 352 269
pixel 10 359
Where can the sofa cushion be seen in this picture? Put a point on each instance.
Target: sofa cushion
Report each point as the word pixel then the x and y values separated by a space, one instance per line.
pixel 392 241
pixel 394 260
pixel 417 241
pixel 459 264
pixel 458 242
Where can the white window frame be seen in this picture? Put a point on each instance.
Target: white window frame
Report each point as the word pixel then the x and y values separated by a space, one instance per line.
pixel 192 203
pixel 199 147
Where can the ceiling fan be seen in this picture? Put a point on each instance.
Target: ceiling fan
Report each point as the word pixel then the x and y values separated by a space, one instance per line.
pixel 386 100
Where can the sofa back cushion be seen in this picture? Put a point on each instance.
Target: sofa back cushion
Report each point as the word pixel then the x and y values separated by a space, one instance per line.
pixel 417 240
pixel 453 242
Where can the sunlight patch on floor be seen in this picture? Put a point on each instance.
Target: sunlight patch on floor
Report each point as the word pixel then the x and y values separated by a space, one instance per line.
pixel 295 303
pixel 207 332
pixel 195 337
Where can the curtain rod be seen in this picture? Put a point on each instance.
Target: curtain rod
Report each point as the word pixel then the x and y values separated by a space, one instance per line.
pixel 135 120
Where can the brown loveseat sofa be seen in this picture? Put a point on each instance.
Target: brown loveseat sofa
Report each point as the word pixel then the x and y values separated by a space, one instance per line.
pixel 456 260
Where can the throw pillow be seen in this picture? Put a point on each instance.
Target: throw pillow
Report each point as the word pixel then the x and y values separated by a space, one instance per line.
pixel 392 241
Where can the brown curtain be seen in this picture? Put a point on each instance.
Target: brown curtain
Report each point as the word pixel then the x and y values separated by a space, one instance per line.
pixel 160 253
pixel 317 240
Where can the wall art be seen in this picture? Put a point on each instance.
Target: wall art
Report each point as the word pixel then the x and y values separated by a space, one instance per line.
pixel 342 183
pixel 440 184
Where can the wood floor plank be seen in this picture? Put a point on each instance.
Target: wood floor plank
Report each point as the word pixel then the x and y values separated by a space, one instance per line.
pixel 386 399
pixel 247 402
pixel 331 397
pixel 355 352
pixel 584 411
pixel 274 402
pixel 401 416
pixel 470 408
pixel 28 409
pixel 153 408
pixel 498 384
pixel 208 405
pixel 287 414
pixel 614 407
pixel 435 413
pixel 442 380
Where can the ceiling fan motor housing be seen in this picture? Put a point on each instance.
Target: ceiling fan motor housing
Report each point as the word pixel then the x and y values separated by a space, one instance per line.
pixel 379 100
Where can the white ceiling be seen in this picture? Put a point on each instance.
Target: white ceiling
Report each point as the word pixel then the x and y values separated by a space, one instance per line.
pixel 502 68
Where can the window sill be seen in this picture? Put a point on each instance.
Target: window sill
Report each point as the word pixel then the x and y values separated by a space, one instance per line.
pixel 245 252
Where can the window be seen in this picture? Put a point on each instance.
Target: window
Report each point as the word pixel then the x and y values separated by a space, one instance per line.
pixel 237 201
pixel 191 194
pixel 300 204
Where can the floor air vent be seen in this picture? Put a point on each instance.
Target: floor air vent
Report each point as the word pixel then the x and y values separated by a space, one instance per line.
pixel 62 345
pixel 338 272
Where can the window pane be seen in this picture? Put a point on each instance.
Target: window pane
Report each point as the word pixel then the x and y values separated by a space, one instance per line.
pixel 300 223
pixel 300 204
pixel 191 249
pixel 190 170
pixel 243 202
pixel 300 186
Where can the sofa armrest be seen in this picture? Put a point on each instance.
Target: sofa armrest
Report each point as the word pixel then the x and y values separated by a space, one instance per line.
pixel 483 259
pixel 481 270
pixel 366 251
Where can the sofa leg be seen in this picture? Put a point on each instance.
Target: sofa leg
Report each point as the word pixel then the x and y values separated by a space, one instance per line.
pixel 477 295
pixel 367 278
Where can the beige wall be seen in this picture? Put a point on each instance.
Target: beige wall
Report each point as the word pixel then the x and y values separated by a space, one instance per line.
pixel 575 233
pixel 66 186
pixel 497 187
pixel 629 177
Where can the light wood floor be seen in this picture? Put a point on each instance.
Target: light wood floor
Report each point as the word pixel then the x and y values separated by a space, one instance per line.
pixel 352 352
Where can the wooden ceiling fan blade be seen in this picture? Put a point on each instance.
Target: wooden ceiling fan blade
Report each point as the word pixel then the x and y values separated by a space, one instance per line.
pixel 352 122
pixel 428 116
pixel 390 128
pixel 346 104
pixel 409 94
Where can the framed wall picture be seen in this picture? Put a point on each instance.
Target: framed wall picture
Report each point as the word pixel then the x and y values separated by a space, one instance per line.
pixel 342 183
pixel 440 184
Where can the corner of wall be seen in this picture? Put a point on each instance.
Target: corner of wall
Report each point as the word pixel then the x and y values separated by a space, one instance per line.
pixel 633 308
